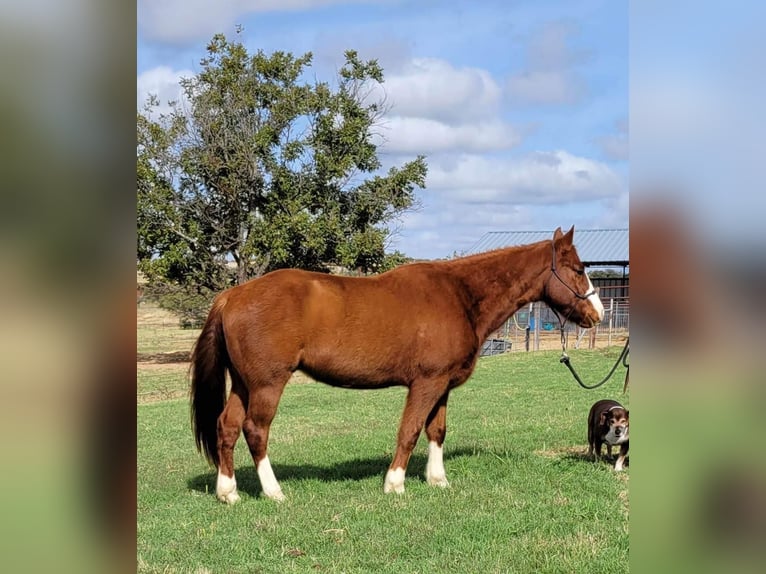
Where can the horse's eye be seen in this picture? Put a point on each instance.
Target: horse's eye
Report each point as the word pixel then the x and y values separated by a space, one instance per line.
pixel 580 271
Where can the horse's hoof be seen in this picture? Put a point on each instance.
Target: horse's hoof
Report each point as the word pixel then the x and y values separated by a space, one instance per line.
pixel 275 496
pixel 229 498
pixel 438 481
pixel 389 488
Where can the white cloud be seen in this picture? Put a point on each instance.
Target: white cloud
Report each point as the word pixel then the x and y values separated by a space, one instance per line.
pixel 437 107
pixel 618 210
pixel 426 136
pixel 447 213
pixel 546 87
pixel 448 225
pixel 393 52
pixel 616 146
pixel 548 77
pixel 435 89
pixel 181 21
pixel 549 48
pixel 539 178
pixel 162 82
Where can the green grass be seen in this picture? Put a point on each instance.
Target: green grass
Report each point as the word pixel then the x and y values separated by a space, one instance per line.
pixel 523 498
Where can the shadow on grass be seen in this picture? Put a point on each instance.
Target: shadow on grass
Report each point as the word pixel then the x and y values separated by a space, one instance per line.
pixel 355 469
pixel 582 456
pixel 577 456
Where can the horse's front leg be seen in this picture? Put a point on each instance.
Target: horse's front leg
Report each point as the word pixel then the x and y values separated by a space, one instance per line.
pixel 436 430
pixel 421 400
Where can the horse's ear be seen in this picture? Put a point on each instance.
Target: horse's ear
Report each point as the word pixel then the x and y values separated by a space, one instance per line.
pixel 569 237
pixel 557 234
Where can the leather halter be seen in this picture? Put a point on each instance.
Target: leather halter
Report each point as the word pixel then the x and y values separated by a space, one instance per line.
pixel 564 283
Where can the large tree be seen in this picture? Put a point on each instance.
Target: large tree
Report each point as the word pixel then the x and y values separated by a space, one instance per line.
pixel 264 168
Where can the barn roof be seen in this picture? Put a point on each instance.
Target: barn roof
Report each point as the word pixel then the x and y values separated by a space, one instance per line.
pixel 594 246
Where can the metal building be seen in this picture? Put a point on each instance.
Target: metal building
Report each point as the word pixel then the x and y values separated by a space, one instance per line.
pixel 596 247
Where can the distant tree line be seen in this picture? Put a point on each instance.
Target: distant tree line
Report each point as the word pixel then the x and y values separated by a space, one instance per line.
pixel 607 274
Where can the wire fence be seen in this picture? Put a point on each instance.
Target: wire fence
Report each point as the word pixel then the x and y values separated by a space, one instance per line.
pixel 537 328
pixel 163 349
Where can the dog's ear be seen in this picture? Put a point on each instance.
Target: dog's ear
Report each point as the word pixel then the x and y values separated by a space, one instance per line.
pixel 627 414
pixel 602 417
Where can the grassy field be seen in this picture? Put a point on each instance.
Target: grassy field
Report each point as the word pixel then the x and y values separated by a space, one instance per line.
pixel 523 498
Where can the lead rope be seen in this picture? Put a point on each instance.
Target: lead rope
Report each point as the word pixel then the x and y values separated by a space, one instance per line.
pixel 564 357
pixel 622 358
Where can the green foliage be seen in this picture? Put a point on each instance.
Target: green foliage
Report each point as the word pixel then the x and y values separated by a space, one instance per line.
pixel 395 259
pixel 266 169
pixel 191 304
pixel 606 273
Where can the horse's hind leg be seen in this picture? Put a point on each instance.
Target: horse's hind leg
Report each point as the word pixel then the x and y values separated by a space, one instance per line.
pixel 421 400
pixel 436 430
pixel 229 427
pixel 263 400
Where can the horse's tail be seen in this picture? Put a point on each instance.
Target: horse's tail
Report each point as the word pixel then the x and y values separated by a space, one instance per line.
pixel 209 362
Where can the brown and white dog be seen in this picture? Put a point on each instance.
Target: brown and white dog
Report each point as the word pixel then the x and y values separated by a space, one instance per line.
pixel 608 424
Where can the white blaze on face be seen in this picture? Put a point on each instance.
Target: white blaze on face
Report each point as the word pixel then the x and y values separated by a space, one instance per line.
pixel 612 438
pixel 269 484
pixel 595 301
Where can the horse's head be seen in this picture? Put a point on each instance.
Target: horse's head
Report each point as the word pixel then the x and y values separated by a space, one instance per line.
pixel 568 289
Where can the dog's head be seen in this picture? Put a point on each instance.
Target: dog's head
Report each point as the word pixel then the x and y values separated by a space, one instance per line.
pixel 614 423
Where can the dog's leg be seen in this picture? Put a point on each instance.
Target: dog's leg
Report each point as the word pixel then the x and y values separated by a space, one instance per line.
pixel 619 465
pixel 608 450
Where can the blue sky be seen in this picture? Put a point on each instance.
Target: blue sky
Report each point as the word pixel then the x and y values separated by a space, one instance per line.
pixel 521 108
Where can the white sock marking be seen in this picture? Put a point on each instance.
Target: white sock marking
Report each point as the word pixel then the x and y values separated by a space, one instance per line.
pixel 226 488
pixel 269 484
pixel 435 473
pixel 394 481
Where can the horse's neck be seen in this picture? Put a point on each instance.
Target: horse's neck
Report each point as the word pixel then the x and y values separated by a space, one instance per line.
pixel 502 282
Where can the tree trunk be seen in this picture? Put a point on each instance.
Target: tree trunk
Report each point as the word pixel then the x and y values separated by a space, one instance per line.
pixel 241 271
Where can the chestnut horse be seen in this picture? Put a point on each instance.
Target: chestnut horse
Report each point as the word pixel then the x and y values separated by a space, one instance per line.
pixel 420 325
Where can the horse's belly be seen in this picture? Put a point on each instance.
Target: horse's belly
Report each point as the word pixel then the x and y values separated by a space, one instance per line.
pixel 344 366
pixel 344 369
pixel 354 382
